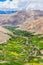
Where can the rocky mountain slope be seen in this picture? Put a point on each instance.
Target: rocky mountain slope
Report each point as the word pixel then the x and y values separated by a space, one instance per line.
pixel 27 20
pixel 20 18
pixel 4 35
pixel 33 26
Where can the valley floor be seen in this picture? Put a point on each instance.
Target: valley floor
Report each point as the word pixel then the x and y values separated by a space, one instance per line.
pixel 23 48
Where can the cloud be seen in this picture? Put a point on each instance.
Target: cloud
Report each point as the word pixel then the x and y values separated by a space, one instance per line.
pixel 21 5
pixel 35 5
pixel 14 4
pixel 8 4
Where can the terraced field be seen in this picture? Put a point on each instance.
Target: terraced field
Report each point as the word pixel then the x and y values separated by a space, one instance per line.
pixel 23 48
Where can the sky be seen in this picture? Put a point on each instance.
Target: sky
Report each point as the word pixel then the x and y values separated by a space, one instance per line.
pixel 2 0
pixel 21 5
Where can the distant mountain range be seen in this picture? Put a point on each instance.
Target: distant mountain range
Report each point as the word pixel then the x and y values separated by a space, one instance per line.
pixel 20 18
pixel 26 20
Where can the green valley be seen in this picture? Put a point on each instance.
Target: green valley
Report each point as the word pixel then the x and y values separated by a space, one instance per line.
pixel 22 48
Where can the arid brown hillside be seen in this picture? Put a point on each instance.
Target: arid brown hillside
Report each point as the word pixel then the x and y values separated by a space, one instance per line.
pixel 33 26
pixel 27 20
pixel 20 18
pixel 4 35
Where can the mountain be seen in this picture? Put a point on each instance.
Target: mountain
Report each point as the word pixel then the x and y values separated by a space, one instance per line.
pixel 20 18
pixel 4 35
pixel 35 26
pixel 26 20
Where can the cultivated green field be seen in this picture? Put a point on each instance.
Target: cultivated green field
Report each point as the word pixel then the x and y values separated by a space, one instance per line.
pixel 22 48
